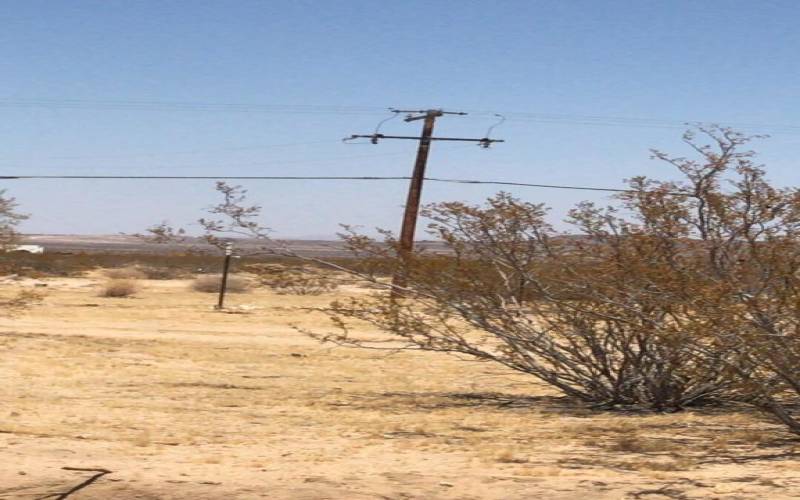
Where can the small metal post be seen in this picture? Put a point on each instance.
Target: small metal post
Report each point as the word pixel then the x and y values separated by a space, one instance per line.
pixel 225 267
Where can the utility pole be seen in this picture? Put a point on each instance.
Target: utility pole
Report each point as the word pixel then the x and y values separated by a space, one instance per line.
pixel 225 267
pixel 418 176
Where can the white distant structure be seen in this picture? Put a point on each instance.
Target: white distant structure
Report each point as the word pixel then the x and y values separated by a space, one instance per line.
pixel 25 248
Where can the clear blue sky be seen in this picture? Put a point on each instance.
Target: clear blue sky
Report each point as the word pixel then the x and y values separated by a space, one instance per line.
pixel 727 61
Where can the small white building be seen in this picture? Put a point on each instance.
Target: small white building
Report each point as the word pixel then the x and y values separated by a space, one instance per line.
pixel 25 248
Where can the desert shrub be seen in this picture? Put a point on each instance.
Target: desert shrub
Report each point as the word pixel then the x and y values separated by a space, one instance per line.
pixel 742 263
pixel 682 293
pixel 296 280
pixel 211 283
pixel 583 317
pixel 119 288
pixel 9 220
pixel 125 273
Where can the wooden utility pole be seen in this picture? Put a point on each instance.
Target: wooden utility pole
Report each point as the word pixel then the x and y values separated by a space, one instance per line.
pixel 418 176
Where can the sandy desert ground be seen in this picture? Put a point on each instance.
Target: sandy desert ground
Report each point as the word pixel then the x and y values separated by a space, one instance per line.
pixel 179 401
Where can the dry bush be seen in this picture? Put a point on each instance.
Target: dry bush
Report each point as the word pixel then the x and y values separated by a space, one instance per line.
pixel 574 314
pixel 740 263
pixel 119 288
pixel 9 220
pixel 125 273
pixel 684 292
pixel 211 284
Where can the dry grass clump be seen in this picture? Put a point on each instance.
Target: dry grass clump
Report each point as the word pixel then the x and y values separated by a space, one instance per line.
pixel 119 288
pixel 510 457
pixel 210 283
pixel 125 273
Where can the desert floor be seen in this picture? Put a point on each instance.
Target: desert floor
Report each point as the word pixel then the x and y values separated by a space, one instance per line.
pixel 180 401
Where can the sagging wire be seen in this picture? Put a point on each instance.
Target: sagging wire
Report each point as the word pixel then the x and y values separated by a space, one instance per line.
pixel 376 134
pixel 486 142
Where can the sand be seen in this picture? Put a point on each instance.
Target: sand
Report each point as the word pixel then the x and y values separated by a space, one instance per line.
pixel 178 401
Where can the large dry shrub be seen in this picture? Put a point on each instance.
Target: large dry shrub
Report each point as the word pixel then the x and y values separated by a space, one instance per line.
pixel 742 262
pixel 681 292
pixel 211 284
pixel 119 288
pixel 580 314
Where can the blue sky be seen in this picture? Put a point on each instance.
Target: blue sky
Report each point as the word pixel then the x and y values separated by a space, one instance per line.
pixel 732 62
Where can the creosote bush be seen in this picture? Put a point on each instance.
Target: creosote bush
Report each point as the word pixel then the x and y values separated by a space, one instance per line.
pixel 119 288
pixel 211 284
pixel 678 293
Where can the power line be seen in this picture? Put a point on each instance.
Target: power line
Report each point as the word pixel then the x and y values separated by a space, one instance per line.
pixel 332 159
pixel 527 184
pixel 513 116
pixel 144 105
pixel 318 178
pixel 194 151
pixel 621 121
pixel 195 177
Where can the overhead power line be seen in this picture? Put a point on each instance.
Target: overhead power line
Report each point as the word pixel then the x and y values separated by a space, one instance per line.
pixel 317 178
pixel 144 105
pixel 621 121
pixel 332 159
pixel 330 109
pixel 193 151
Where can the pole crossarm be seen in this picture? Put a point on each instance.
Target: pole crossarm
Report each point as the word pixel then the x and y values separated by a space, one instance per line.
pixel 423 113
pixel 417 138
